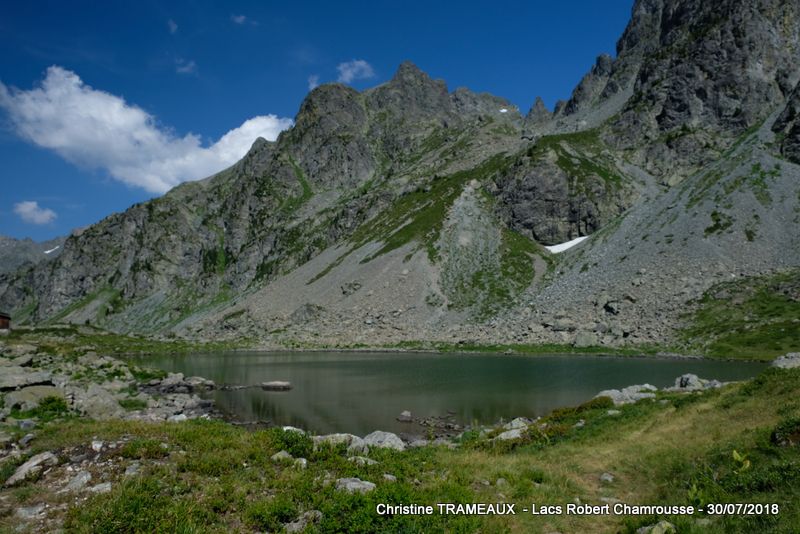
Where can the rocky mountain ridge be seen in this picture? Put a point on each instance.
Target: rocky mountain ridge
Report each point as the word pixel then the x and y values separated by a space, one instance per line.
pixel 409 212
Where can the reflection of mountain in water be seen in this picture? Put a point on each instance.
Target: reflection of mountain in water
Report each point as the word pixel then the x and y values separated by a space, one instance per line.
pixel 362 392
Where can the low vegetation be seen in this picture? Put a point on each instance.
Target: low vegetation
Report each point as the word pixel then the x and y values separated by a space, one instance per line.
pixel 752 318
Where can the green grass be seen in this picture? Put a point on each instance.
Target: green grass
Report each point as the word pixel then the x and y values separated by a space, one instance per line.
pixel 754 318
pixel 71 341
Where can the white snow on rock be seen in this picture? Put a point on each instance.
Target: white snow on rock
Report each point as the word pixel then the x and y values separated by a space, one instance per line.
pixel 503 110
pixel 561 247
pixel 52 249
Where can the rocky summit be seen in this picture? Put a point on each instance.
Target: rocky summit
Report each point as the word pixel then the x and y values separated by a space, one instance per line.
pixel 409 212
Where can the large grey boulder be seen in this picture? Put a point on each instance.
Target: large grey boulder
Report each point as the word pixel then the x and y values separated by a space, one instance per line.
pixel 32 467
pixel 354 485
pixel 352 442
pixel 519 422
pixel 29 398
pixel 630 394
pixel 384 440
pixel 790 360
pixel 509 435
pixel 14 376
pixel 96 402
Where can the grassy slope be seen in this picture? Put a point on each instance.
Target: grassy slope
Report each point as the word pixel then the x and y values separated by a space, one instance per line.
pixel 676 452
pixel 753 318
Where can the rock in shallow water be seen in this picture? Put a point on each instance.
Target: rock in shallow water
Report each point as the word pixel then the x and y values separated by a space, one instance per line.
pixel 276 385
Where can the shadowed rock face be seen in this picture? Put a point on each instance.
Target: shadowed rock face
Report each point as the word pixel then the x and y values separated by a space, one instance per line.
pixel 788 126
pixel 705 73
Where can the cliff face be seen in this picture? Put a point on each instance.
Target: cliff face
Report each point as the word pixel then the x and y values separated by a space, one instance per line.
pixel 697 92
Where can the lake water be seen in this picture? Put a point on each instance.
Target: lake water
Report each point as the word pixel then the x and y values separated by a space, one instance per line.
pixel 361 392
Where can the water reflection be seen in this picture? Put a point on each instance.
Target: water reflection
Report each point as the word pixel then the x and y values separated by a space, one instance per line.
pixel 362 392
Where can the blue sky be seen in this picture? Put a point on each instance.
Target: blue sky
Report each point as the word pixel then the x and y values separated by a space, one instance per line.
pixel 103 105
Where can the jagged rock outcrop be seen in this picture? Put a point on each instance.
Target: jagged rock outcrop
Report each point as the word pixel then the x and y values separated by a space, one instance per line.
pixel 705 73
pixel 788 127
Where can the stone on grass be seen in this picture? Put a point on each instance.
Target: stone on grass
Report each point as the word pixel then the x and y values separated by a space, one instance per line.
pixel 303 522
pixel 662 527
pixel 282 456
pixel 787 361
pixel 508 435
pixel 79 481
pixel 354 485
pixel 519 422
pixel 361 461
pixel 384 440
pixel 301 463
pixel 105 487
pixel 32 467
pixel 29 398
pixel 30 512
pixel 607 478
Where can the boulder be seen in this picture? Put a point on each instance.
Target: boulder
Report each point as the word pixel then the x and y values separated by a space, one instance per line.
pixel 276 385
pixel 282 456
pixel 104 487
pixel 14 377
pixel 305 520
pixel 689 382
pixel 29 513
pixel 405 417
pixel 32 467
pixel 79 481
pixel 509 435
pixel 585 339
pixel 519 422
pixel 662 527
pixel 354 443
pixel 787 361
pixel 29 398
pixel 361 461
pixel 384 440
pixel 96 402
pixel 354 485
pixel 629 394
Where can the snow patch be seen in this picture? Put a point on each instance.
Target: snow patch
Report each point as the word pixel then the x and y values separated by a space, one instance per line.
pixel 561 247
pixel 52 249
pixel 503 110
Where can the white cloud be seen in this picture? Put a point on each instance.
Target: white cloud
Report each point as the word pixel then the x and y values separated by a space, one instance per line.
pixel 357 69
pixel 173 27
pixel 96 129
pixel 239 19
pixel 30 212
pixel 313 82
pixel 185 67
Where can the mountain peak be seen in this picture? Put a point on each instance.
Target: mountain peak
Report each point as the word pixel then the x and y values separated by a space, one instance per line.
pixel 409 71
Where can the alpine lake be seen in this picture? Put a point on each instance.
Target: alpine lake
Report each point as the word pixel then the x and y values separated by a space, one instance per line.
pixel 359 392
